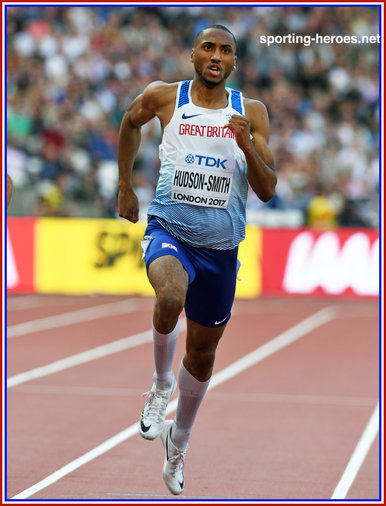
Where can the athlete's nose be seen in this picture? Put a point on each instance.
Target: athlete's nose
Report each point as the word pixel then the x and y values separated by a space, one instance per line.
pixel 216 56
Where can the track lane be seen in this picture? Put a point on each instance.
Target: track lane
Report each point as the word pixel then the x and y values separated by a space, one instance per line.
pixel 265 320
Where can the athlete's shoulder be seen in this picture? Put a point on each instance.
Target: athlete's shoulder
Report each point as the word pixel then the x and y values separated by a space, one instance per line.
pixel 254 107
pixel 158 94
pixel 257 114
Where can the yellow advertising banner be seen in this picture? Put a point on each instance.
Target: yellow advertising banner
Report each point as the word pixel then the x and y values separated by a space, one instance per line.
pixel 82 256
pixel 249 279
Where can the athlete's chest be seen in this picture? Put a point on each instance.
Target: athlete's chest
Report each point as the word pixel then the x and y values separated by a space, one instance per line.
pixel 190 124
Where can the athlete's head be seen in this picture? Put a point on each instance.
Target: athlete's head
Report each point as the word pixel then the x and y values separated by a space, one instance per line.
pixel 217 27
pixel 214 54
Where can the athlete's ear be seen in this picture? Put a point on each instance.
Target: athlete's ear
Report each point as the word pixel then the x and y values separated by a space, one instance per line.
pixel 234 63
pixel 192 55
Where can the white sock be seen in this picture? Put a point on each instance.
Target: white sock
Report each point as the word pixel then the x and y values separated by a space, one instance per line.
pixel 164 346
pixel 191 393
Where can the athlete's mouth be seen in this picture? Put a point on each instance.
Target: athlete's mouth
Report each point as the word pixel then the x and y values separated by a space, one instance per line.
pixel 214 70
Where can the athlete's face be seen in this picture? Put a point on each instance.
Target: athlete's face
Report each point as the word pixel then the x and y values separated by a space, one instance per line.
pixel 214 56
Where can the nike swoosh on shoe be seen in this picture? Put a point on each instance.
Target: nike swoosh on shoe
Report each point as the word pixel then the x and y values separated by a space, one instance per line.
pixel 144 428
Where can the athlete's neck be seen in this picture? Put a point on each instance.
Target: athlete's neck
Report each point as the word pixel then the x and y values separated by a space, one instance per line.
pixel 215 97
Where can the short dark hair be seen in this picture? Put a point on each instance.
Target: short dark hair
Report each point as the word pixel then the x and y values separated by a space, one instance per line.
pixel 218 27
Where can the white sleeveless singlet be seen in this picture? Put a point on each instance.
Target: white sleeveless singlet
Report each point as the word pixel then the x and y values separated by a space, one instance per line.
pixel 202 188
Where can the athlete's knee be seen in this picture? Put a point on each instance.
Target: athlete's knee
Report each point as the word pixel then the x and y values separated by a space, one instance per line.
pixel 170 303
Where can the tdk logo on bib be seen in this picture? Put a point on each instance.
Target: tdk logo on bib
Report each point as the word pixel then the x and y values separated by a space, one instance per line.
pixel 189 159
pixel 206 161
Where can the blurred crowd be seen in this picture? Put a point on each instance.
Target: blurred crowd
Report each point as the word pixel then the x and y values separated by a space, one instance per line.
pixel 73 70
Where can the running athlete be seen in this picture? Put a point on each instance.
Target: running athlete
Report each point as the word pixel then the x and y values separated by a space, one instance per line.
pixel 214 142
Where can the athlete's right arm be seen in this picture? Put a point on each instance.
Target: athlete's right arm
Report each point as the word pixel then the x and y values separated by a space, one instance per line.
pixel 139 112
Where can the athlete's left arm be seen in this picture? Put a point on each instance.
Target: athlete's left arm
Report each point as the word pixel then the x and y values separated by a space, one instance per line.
pixel 260 161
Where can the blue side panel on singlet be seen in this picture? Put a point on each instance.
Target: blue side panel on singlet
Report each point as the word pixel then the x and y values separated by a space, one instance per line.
pixel 184 97
pixel 236 101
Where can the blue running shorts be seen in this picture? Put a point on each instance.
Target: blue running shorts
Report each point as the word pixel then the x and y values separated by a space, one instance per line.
pixel 212 274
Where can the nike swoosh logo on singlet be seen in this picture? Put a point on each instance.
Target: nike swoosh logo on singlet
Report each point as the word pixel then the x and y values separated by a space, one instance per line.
pixel 191 116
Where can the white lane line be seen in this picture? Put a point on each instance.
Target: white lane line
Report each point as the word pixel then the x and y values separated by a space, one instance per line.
pixel 81 358
pixel 72 317
pixel 281 341
pixel 86 356
pixel 276 344
pixel 80 461
pixel 358 457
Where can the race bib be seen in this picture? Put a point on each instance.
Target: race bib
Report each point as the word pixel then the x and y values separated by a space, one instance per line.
pixel 203 180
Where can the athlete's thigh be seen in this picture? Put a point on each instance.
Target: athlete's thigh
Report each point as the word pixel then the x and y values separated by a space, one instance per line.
pixel 210 296
pixel 168 267
pixel 167 274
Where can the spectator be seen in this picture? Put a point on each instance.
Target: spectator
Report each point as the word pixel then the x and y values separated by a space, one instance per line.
pixel 321 212
pixel 72 71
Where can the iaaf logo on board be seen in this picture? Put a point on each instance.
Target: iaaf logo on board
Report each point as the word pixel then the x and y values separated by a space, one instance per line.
pixel 323 262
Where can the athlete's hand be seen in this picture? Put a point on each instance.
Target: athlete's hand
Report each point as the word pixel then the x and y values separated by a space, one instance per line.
pixel 128 205
pixel 241 128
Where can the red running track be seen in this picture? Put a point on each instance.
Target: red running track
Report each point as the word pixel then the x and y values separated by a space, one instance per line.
pixel 294 420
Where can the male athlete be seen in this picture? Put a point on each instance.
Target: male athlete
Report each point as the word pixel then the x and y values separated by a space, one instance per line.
pixel 214 143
